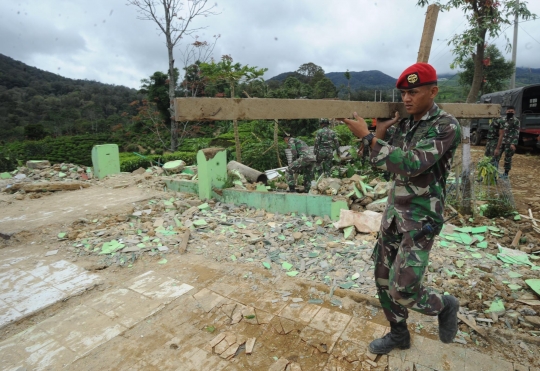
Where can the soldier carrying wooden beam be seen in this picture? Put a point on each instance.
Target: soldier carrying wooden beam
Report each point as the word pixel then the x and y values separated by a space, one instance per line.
pixel 418 156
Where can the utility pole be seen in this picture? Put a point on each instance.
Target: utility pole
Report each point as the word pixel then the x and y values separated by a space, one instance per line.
pixel 514 47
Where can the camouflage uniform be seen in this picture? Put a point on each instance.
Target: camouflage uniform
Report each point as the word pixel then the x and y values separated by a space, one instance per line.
pixel 418 156
pixel 493 136
pixel 511 136
pixel 303 162
pixel 326 141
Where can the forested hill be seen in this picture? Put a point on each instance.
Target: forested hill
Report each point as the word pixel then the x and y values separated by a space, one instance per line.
pixel 55 105
pixel 364 80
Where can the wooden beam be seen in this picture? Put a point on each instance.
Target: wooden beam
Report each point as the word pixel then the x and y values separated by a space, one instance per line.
pixel 427 34
pixel 212 109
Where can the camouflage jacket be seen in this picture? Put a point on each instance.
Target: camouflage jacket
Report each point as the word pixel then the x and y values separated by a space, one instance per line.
pixel 299 149
pixel 418 156
pixel 494 127
pixel 326 141
pixel 511 131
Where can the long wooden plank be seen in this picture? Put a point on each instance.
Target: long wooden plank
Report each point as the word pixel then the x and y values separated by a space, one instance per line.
pixel 208 109
pixel 428 32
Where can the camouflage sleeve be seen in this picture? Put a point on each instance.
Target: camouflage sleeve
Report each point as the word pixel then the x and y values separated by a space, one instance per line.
pixel 317 141
pixel 389 136
pixel 336 143
pixel 514 139
pixel 417 160
pixel 294 150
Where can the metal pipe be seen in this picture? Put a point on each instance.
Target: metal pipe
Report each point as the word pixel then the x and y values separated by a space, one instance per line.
pixel 250 174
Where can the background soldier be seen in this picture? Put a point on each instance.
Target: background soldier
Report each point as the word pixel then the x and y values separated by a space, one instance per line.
pixel 493 136
pixel 303 163
pixel 508 137
pixel 326 141
pixel 419 156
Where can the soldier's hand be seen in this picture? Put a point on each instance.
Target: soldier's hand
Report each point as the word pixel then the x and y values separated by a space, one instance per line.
pixel 382 126
pixel 496 153
pixel 357 126
pixel 513 147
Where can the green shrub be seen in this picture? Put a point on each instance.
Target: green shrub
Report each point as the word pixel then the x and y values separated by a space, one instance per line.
pixel 345 136
pixel 130 162
pixel 8 162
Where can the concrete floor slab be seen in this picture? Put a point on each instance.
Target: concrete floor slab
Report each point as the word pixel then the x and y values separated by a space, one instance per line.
pixel 208 299
pixel 197 359
pixel 82 328
pixel 270 303
pixel 330 321
pixel 37 298
pixel 146 281
pixel 168 290
pixel 111 299
pixel 436 355
pixel 301 312
pixel 8 314
pixel 135 310
pixel 362 331
pixel 483 362
pixel 24 292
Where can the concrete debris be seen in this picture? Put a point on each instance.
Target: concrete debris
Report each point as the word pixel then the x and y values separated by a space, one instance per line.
pixel 364 222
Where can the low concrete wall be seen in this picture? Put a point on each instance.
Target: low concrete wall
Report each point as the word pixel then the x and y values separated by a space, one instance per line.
pixel 270 201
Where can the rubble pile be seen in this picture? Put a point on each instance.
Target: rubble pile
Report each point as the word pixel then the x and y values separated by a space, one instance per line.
pixel 494 283
pixel 43 178
pixel 44 171
pixel 358 194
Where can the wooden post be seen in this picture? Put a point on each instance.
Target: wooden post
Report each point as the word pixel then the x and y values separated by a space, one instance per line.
pixel 427 34
pixel 515 242
pixel 276 143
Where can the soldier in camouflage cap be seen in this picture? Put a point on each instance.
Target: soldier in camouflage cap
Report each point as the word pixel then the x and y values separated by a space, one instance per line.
pixel 418 155
pixel 303 162
pixel 508 140
pixel 326 141
pixel 493 136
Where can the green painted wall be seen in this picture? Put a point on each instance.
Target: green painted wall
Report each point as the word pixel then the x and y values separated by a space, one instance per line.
pixel 211 173
pixel 105 160
pixel 185 186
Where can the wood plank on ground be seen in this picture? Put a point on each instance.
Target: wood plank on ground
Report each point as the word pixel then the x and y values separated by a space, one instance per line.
pixel 211 109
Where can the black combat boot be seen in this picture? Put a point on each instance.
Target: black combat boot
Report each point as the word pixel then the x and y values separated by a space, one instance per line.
pixel 398 337
pixel 292 189
pixel 448 324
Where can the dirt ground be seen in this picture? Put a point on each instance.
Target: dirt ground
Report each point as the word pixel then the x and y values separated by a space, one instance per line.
pixel 30 226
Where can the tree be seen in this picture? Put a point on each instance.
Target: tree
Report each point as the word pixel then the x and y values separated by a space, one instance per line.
pixel 496 71
pixel 310 73
pixel 156 88
pixel 174 21
pixel 231 73
pixel 193 55
pixel 325 88
pixel 485 18
pixel 348 77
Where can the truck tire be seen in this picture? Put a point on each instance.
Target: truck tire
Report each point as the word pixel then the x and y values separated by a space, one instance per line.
pixel 476 138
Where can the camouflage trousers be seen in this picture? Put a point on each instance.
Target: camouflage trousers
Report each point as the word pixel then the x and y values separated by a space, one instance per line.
pixel 324 163
pixel 490 147
pixel 303 165
pixel 400 264
pixel 508 153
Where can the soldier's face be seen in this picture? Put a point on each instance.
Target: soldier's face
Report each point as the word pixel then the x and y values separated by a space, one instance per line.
pixel 419 100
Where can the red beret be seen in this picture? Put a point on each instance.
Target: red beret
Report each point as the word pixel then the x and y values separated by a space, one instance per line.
pixel 417 75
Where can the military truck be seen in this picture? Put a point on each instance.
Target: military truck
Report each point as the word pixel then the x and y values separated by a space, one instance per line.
pixel 526 101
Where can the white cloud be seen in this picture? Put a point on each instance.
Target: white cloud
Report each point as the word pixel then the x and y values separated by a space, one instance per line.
pixel 103 40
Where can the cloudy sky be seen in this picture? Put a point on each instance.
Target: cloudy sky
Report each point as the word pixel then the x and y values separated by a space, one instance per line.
pixel 103 40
